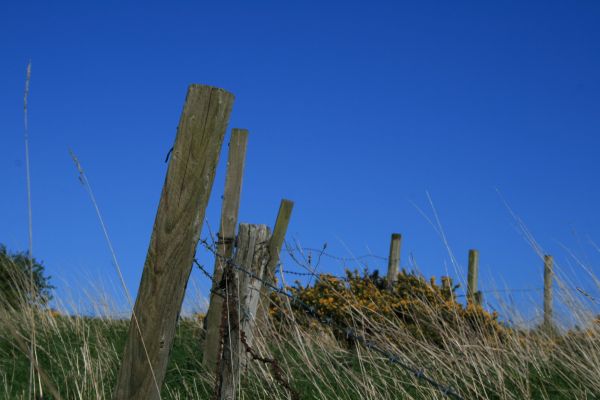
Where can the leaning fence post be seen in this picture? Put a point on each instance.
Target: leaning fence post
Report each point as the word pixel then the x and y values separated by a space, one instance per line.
pixel 225 243
pixel 175 234
pixel 242 294
pixel 548 277
pixel 472 296
pixel 276 242
pixel 394 259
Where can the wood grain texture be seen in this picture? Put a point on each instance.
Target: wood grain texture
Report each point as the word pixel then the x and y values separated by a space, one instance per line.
pixel 255 257
pixel 175 235
pixel 394 259
pixel 472 276
pixel 229 216
pixel 242 295
pixel 281 224
pixel 275 243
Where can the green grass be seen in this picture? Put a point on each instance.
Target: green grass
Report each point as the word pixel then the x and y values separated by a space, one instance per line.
pixel 81 355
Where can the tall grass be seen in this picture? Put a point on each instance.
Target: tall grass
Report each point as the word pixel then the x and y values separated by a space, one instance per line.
pixel 80 356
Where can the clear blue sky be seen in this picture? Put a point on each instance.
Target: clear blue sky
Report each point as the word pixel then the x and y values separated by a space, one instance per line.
pixel 356 111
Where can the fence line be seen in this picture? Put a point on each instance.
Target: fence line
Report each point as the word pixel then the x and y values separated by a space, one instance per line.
pixel 349 332
pixel 333 256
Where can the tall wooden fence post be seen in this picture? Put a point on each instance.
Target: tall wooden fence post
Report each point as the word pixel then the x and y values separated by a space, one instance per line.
pixel 394 259
pixel 226 237
pixel 175 235
pixel 473 275
pixel 242 294
pixel 281 224
pixel 548 277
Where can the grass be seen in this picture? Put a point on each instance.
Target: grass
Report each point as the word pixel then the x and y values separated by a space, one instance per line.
pixel 81 357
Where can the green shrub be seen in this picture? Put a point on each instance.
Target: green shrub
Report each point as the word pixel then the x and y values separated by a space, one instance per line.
pixel 15 280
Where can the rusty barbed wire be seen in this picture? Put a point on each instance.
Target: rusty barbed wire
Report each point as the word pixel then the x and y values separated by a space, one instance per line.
pixel 230 318
pixel 349 332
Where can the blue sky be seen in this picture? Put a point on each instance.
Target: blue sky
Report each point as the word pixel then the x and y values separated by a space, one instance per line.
pixel 356 111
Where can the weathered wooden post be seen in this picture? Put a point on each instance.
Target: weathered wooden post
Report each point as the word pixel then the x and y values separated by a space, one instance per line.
pixel 242 294
pixel 175 235
pixel 281 224
pixel 256 258
pixel 447 286
pixel 548 277
pixel 225 243
pixel 472 277
pixel 394 259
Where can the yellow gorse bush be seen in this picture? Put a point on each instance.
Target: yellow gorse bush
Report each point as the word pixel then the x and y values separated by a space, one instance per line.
pixel 363 300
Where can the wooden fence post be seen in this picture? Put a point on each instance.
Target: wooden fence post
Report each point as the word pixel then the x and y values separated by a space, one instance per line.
pixel 394 259
pixel 175 235
pixel 281 224
pixel 447 286
pixel 473 274
pixel 242 294
pixel 225 243
pixel 548 277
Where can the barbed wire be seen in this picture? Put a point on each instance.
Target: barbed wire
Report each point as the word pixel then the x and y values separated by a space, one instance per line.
pixel 456 295
pixel 322 253
pixel 586 294
pixel 339 258
pixel 204 271
pixel 230 319
pixel 349 332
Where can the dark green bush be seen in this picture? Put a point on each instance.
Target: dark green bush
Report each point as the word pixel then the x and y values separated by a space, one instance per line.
pixel 16 287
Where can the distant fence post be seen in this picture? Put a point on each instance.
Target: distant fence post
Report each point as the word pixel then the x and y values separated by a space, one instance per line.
pixel 242 295
pixel 548 277
pixel 275 243
pixel 473 275
pixel 225 243
pixel 394 259
pixel 447 286
pixel 175 235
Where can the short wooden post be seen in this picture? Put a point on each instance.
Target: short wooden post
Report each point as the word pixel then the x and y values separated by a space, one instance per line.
pixel 254 256
pixel 478 297
pixel 394 259
pixel 173 242
pixel 447 286
pixel 242 294
pixel 226 237
pixel 276 242
pixel 548 277
pixel 472 277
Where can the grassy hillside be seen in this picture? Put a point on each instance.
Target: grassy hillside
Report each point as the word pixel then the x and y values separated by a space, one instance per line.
pixel 450 343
